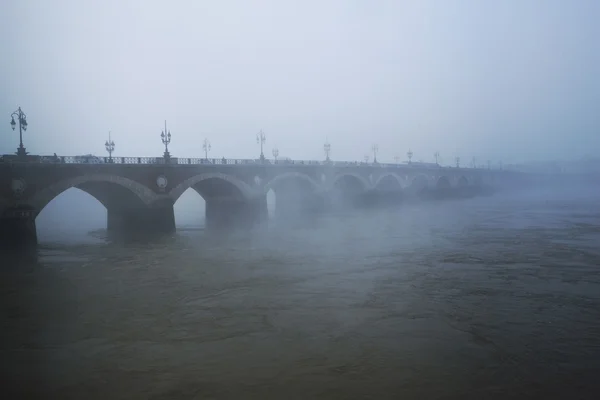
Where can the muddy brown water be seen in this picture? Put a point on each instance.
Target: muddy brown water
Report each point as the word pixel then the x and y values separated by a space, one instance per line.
pixel 495 297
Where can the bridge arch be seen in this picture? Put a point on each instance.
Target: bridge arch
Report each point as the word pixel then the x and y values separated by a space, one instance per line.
pixel 352 177
pixel 214 184
pixel 292 196
pixel 462 181
pixel 289 176
pixel 98 186
pixel 443 182
pixel 386 177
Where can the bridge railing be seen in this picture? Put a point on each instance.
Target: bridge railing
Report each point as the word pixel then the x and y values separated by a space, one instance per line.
pixel 91 159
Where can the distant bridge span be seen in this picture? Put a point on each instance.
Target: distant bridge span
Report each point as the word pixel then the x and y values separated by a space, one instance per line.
pixel 139 192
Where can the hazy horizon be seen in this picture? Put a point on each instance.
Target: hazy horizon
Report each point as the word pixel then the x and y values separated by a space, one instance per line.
pixel 503 81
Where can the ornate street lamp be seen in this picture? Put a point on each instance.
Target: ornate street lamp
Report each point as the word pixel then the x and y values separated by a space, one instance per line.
pixel 110 147
pixel 457 160
pixel 261 139
pixel 206 147
pixel 375 149
pixel 22 127
pixel 437 157
pixel 327 148
pixel 165 136
pixel 275 153
pixel 410 156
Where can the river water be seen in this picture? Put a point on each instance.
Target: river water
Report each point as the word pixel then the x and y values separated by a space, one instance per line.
pixel 487 298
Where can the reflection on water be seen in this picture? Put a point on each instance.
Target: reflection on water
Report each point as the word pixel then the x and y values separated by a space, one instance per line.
pixel 482 298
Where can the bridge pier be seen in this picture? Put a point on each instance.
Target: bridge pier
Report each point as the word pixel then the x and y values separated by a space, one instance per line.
pixel 229 212
pixel 156 219
pixel 17 228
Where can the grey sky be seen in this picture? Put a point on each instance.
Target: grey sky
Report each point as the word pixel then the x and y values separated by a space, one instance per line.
pixel 492 79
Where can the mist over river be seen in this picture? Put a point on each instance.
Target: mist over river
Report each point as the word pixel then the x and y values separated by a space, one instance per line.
pixel 485 298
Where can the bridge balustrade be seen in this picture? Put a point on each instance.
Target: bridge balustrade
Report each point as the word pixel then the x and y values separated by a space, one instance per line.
pixel 35 159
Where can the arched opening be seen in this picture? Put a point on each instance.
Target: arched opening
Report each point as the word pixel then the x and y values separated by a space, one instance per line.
pixel 462 182
pixel 190 211
pixel 127 203
pixel 388 183
pixel 112 191
pixel 225 202
pixel 348 190
pixel 388 191
pixel 293 195
pixel 70 217
pixel 69 208
pixel 443 183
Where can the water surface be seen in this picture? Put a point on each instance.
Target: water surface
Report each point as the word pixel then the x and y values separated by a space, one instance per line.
pixel 484 298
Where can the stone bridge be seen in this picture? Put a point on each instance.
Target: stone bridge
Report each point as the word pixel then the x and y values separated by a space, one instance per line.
pixel 140 196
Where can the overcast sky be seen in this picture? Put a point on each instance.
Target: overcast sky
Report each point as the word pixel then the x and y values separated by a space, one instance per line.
pixel 500 80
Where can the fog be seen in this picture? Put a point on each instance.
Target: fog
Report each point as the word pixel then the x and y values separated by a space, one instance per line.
pixel 365 288
pixel 511 80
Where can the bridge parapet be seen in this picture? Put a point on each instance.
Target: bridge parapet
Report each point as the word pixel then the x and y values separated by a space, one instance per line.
pixel 90 159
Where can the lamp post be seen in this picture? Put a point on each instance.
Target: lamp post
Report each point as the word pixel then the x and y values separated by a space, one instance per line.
pixel 22 127
pixel 437 157
pixel 261 139
pixel 275 153
pixel 397 159
pixel 410 156
pixel 110 147
pixel 327 149
pixel 375 150
pixel 206 147
pixel 457 160
pixel 165 136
